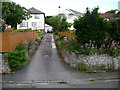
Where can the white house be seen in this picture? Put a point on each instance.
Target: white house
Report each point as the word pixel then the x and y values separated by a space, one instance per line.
pixel 48 28
pixel 37 21
pixel 119 5
pixel 70 15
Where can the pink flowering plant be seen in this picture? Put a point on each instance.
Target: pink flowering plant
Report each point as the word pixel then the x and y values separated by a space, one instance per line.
pixel 89 48
pixel 2 25
pixel 110 47
pixel 113 49
pixel 107 46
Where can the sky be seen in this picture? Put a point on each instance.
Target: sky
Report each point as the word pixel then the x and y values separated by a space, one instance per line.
pixel 50 7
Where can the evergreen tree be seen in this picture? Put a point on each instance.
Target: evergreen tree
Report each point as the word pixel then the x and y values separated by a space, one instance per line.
pixel 91 27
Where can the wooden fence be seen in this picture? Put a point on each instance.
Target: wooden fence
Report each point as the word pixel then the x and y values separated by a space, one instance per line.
pixel 9 41
pixel 67 34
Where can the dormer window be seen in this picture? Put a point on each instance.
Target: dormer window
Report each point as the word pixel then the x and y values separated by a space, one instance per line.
pixel 37 16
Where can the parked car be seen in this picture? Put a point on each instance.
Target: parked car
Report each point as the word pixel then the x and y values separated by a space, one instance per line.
pixel 49 31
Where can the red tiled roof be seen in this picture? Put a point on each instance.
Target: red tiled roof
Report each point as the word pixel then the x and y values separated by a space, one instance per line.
pixel 108 15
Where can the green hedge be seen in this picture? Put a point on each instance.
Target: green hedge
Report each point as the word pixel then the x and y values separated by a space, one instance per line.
pixel 22 31
pixel 16 58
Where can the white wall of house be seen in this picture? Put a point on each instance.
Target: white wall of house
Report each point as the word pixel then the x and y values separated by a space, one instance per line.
pixel 36 22
pixel 119 5
pixel 70 16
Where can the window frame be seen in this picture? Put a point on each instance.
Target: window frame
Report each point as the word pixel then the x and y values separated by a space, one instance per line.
pixel 36 16
pixel 24 24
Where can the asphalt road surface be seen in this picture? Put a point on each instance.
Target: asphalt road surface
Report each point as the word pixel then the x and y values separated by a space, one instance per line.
pixel 45 70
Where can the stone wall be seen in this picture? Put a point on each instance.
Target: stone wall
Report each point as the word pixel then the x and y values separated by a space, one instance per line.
pixel 73 59
pixel 4 68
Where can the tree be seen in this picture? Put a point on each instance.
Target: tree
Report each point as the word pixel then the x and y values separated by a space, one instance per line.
pixel 58 23
pixel 91 27
pixel 0 9
pixel 47 19
pixel 111 11
pixel 115 29
pixel 13 13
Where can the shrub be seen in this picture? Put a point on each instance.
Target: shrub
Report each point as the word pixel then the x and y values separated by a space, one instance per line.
pixel 110 47
pixel 88 48
pixel 82 66
pixel 115 29
pixel 39 34
pixel 102 67
pixel 22 31
pixel 91 27
pixel 60 44
pixel 30 45
pixel 113 51
pixel 20 47
pixel 38 40
pixel 16 58
pixel 72 46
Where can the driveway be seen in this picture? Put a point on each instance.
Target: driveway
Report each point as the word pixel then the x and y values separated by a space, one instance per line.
pixel 45 70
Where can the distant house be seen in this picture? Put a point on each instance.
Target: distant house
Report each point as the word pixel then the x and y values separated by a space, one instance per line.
pixel 48 27
pixel 119 5
pixel 37 21
pixel 108 16
pixel 118 14
pixel 70 15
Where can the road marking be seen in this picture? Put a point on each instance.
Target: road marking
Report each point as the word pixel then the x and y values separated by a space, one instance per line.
pixel 34 82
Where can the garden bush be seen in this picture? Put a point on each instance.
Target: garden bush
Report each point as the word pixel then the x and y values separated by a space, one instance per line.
pixel 107 46
pixel 30 45
pixel 60 44
pixel 115 29
pixel 39 34
pixel 82 66
pixel 16 58
pixel 38 40
pixel 102 67
pixel 73 46
pixel 91 27
pixel 22 31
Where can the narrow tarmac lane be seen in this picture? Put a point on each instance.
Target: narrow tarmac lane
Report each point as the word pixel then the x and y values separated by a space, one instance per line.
pixel 45 70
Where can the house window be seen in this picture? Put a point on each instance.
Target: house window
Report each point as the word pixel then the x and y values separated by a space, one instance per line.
pixel 37 16
pixel 70 15
pixel 24 24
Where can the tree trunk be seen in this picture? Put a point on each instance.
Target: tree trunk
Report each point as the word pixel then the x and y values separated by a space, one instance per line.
pixel 14 26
